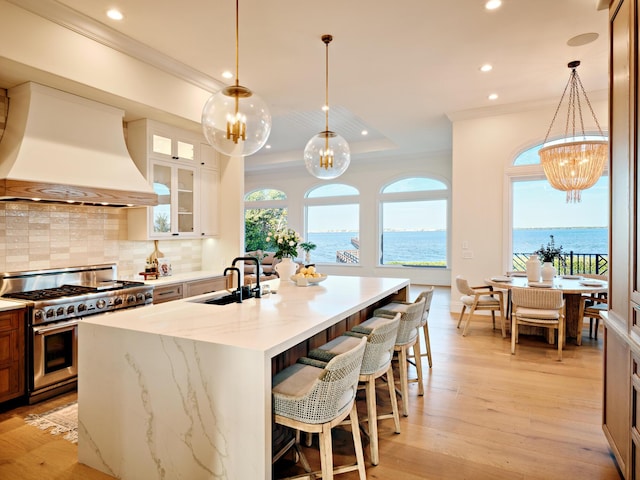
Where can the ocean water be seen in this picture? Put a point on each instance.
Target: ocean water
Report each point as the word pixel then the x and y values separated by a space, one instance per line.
pixel 431 246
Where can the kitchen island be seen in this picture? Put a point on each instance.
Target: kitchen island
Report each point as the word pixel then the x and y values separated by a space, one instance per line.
pixel 183 389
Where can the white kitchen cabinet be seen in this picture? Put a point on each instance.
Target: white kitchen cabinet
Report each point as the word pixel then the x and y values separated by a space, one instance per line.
pixel 209 191
pixel 183 173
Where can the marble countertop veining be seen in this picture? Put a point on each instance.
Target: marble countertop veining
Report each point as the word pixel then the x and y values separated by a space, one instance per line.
pixel 270 324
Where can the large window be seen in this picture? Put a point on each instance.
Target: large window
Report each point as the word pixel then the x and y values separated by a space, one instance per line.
pixel 332 223
pixel 265 210
pixel 539 211
pixel 414 223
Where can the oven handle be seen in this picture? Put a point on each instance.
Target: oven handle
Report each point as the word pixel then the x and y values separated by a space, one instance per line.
pixel 55 326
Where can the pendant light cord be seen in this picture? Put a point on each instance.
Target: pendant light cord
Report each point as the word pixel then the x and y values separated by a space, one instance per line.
pixel 237 42
pixel 326 101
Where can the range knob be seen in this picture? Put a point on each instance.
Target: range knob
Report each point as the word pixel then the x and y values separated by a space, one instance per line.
pixel 131 299
pixel 101 303
pixel 37 315
pixel 118 301
pixel 70 309
pixel 60 311
pixel 140 297
pixel 82 307
pixel 148 295
pixel 49 313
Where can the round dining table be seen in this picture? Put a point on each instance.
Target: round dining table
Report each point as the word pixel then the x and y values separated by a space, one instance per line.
pixel 573 288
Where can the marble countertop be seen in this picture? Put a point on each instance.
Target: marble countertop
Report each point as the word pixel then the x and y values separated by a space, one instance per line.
pixel 270 324
pixel 10 305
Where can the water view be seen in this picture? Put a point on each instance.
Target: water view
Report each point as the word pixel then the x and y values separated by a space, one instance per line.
pixel 430 246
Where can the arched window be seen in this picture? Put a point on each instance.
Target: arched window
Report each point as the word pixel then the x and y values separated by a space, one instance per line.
pixel 264 210
pixel 414 222
pixel 332 215
pixel 539 211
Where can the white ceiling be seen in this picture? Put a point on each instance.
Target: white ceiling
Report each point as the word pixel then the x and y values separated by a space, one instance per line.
pixel 397 69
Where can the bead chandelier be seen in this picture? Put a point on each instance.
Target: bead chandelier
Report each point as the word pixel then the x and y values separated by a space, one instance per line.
pixel 575 165
pixel 327 154
pixel 236 121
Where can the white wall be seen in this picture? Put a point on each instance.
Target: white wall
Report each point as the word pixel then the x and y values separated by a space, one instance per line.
pixel 484 147
pixel 368 177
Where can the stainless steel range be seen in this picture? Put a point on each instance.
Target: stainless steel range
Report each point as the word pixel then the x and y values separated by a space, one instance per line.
pixel 56 300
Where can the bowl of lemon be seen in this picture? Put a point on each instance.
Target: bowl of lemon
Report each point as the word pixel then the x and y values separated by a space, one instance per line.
pixel 308 276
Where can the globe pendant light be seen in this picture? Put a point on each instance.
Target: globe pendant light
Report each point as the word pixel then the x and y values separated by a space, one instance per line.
pixel 327 154
pixel 575 165
pixel 236 121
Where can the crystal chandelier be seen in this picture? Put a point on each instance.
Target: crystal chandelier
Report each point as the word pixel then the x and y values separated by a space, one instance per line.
pixel 575 165
pixel 327 154
pixel 236 121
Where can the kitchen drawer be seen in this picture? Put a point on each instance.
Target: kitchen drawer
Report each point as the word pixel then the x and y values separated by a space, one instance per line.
pixel 166 293
pixel 208 285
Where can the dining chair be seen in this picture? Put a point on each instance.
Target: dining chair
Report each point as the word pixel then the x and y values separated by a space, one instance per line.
pixel 592 305
pixel 480 298
pixel 537 307
pixel 314 400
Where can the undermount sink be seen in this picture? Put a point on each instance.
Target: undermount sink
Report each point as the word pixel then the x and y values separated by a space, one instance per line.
pixel 224 300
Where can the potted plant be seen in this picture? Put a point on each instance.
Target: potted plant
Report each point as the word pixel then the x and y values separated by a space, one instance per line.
pixel 307 247
pixel 548 255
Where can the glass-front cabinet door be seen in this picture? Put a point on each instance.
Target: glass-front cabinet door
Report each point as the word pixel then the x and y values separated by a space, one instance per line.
pixel 173 147
pixel 162 187
pixel 173 216
pixel 185 200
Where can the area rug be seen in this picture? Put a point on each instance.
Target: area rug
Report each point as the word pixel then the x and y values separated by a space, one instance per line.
pixel 63 419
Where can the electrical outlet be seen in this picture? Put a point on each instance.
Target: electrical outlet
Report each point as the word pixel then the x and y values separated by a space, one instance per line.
pixel 467 254
pixel 465 245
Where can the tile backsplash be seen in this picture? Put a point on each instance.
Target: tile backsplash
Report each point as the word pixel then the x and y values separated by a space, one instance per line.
pixel 35 236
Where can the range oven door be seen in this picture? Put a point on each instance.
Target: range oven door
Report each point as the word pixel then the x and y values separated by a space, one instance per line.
pixel 55 353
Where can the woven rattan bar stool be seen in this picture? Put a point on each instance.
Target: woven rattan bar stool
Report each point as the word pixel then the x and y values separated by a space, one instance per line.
pixel 406 339
pixel 376 363
pixel 314 400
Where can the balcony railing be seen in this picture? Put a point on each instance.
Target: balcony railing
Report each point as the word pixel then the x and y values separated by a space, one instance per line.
pixel 571 264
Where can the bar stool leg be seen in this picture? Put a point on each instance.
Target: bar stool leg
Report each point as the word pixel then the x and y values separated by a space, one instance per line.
pixel 404 381
pixel 418 357
pixel 427 342
pixel 394 401
pixel 372 416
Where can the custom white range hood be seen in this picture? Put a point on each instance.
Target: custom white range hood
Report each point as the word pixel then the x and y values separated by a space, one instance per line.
pixel 58 147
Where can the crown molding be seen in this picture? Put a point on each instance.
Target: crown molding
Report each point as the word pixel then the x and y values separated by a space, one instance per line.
pixel 98 32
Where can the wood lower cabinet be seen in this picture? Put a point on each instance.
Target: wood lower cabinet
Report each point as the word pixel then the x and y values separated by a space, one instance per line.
pixel 167 293
pixel 12 354
pixel 208 285
pixel 176 291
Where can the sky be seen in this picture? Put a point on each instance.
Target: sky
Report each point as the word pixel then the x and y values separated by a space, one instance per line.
pixel 537 205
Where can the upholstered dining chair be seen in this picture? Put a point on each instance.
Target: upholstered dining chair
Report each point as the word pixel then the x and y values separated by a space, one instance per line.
pixel 592 305
pixel 376 362
pixel 480 298
pixel 538 307
pixel 314 400
pixel 407 339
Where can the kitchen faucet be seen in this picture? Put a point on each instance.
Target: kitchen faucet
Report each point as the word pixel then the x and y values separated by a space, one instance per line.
pixel 239 290
pixel 255 289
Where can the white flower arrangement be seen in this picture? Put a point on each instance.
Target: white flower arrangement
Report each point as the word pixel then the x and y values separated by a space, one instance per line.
pixel 285 241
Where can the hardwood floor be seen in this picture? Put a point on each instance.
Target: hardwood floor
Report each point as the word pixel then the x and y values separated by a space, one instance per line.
pixel 485 415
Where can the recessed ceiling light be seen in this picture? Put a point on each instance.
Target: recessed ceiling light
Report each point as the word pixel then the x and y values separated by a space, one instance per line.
pixel 325 108
pixel 267 147
pixel 493 96
pixel 492 4
pixel 227 74
pixel 582 39
pixel 114 14
pixel 364 132
pixel 486 67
